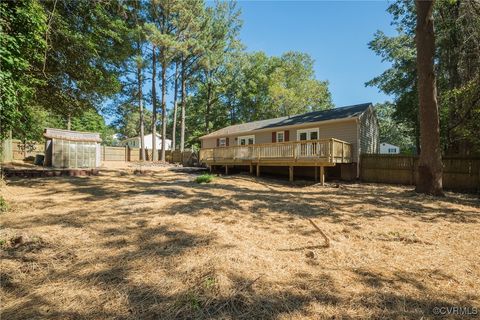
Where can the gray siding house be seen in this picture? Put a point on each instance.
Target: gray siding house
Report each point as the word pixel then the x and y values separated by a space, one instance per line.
pixel 317 139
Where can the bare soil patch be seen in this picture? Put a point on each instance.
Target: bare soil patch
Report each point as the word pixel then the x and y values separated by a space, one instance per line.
pixel 160 246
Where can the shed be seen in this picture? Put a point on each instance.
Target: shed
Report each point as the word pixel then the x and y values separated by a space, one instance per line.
pixel 71 149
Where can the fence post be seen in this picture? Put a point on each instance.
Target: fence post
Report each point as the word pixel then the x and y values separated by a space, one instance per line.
pixel 6 153
pixel 412 169
pixel 478 182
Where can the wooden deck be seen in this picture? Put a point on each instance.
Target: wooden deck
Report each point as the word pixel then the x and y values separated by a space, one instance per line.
pixel 312 153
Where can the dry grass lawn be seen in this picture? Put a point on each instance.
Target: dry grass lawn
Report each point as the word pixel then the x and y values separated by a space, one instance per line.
pixel 160 246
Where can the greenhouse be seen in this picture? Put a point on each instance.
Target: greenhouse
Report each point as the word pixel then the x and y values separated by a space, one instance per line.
pixel 71 149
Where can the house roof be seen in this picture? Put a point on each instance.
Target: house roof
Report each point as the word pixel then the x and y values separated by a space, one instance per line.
pixel 51 133
pixel 346 112
pixel 388 144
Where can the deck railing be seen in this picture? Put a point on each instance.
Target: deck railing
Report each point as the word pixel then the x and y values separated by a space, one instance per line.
pixel 325 150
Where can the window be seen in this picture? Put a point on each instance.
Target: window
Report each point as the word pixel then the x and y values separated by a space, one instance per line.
pixel 392 150
pixel 222 142
pixel 280 136
pixel 246 140
pixel 307 134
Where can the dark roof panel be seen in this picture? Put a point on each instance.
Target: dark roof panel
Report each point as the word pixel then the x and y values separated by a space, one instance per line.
pixel 314 116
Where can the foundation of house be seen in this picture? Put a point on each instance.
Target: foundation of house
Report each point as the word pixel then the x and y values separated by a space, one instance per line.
pixel 345 172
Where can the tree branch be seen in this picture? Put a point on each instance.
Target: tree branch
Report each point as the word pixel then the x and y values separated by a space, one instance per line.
pixel 50 19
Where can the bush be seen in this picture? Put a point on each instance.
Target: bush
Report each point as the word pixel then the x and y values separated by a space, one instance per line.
pixel 204 178
pixel 3 205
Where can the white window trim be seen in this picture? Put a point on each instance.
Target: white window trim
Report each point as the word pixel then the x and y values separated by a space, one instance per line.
pixel 282 132
pixel 222 142
pixel 308 131
pixel 246 139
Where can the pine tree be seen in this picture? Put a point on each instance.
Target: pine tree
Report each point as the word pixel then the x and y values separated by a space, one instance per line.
pixel 430 162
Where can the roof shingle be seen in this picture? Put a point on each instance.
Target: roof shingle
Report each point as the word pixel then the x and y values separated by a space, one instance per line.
pixel 314 116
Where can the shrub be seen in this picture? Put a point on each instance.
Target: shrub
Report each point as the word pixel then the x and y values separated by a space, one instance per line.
pixel 204 178
pixel 3 205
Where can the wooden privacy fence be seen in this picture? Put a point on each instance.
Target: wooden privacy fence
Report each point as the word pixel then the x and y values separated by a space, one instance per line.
pixel 459 173
pixel 114 153
pixel 130 154
pixel 14 150
pixel 20 150
pixel 133 154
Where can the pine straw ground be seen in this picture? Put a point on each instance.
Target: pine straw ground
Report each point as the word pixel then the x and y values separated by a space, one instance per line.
pixel 161 246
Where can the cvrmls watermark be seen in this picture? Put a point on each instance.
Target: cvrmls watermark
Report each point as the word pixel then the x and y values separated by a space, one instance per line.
pixel 465 311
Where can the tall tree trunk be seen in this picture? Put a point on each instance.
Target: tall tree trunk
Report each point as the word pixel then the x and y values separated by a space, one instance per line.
pixel 164 108
pixel 430 162
pixel 140 85
pixel 140 104
pixel 175 95
pixel 209 108
pixel 154 105
pixel 184 105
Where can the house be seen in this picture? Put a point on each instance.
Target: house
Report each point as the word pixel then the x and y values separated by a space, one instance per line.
pixel 71 149
pixel 116 139
pixel 387 148
pixel 134 142
pixel 305 142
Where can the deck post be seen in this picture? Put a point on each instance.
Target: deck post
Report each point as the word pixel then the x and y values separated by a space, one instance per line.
pixel 332 152
pixel 258 170
pixel 322 176
pixel 210 169
pixel 226 170
pixel 251 168
pixel 316 173
pixel 290 173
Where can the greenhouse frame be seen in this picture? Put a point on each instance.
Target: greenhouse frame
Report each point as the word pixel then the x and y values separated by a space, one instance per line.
pixel 71 149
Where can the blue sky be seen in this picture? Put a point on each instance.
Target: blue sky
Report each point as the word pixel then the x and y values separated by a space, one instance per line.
pixel 334 33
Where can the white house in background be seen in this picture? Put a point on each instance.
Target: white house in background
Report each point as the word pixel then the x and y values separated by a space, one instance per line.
pixel 116 138
pixel 387 148
pixel 134 142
